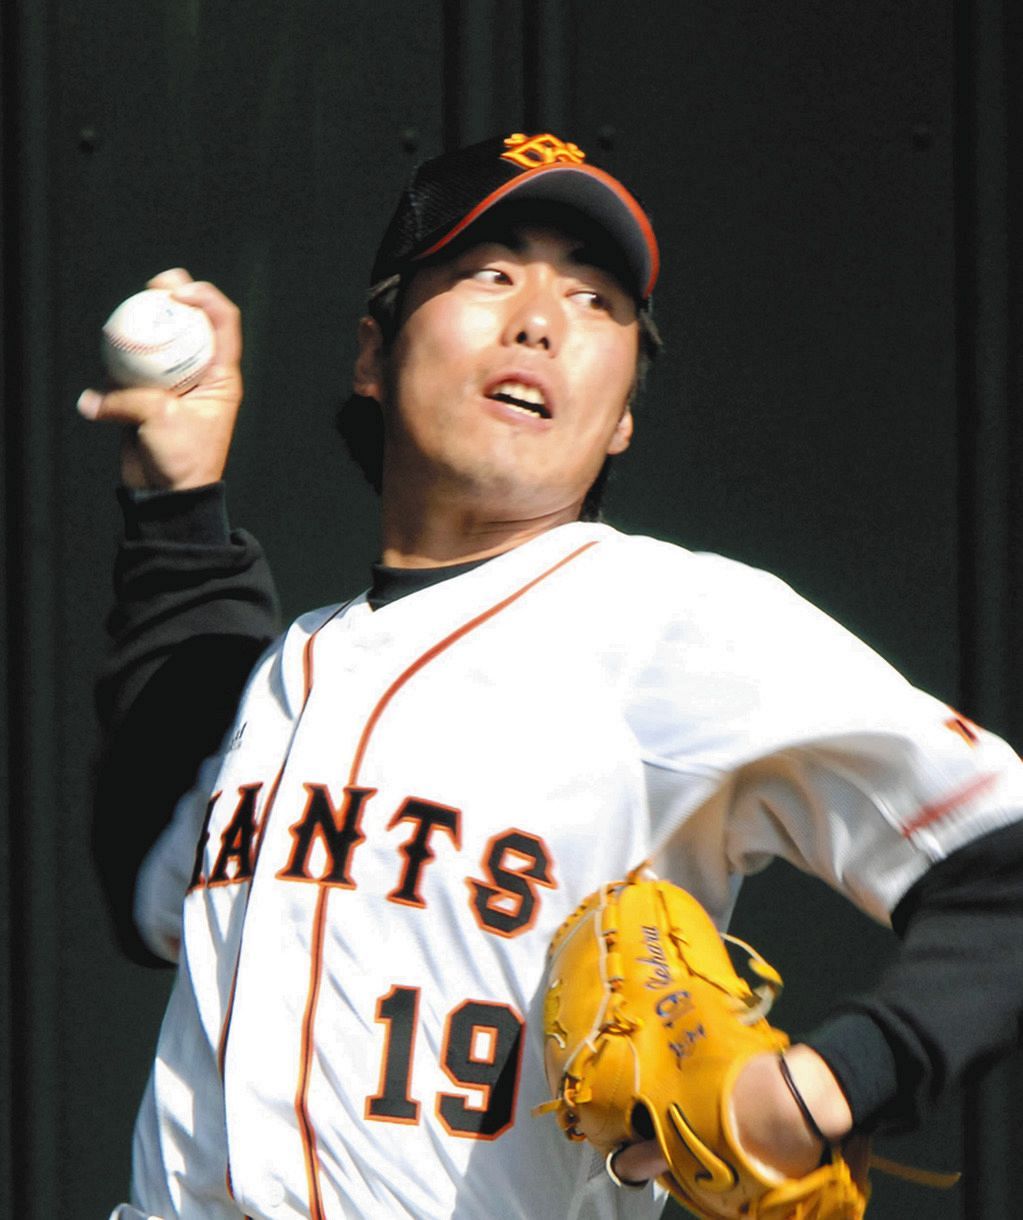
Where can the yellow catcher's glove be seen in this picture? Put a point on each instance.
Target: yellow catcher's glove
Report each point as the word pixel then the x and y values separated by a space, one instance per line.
pixel 646 1025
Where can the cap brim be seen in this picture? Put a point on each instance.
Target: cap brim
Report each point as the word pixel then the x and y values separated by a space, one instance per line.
pixel 594 193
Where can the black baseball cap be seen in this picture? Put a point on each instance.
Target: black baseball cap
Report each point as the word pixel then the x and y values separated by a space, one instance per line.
pixel 446 195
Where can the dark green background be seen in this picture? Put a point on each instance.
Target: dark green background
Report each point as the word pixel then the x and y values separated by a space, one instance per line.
pixel 836 188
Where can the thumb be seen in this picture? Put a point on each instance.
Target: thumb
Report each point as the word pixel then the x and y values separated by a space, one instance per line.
pixel 130 406
pixel 639 1162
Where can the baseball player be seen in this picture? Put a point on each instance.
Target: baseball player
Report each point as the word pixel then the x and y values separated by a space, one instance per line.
pixel 411 789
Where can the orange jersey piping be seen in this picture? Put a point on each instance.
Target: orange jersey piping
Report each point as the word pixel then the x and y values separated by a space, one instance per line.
pixel 305 1124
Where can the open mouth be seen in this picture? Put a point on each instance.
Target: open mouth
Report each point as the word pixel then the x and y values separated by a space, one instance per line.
pixel 528 399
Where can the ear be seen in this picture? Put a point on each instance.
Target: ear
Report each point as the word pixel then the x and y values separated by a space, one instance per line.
pixel 622 434
pixel 368 379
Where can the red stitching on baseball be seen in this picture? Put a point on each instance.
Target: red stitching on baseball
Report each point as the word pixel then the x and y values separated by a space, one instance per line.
pixel 132 345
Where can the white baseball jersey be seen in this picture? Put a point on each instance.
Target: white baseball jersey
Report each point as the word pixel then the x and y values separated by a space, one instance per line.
pixel 410 802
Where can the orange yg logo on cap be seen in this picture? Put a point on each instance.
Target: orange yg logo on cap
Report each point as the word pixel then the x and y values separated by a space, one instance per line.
pixel 531 151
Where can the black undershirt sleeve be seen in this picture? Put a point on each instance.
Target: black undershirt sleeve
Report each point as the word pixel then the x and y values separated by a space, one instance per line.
pixel 195 605
pixel 953 998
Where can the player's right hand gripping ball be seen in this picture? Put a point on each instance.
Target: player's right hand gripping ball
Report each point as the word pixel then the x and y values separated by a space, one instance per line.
pixel 151 339
pixel 646 1026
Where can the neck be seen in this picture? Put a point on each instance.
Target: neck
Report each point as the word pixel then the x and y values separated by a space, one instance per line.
pixel 436 530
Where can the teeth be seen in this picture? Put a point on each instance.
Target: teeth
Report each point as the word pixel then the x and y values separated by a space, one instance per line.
pixel 525 398
pixel 523 393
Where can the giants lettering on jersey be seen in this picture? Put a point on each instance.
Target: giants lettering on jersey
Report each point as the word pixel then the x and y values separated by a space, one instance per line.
pixel 504 901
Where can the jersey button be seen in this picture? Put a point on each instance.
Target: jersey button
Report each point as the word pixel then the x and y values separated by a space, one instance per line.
pixel 274 1194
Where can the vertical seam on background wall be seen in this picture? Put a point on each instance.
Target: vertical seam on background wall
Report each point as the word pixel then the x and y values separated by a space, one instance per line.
pixel 987 572
pixel 548 66
pixel 982 347
pixel 469 63
pixel 35 861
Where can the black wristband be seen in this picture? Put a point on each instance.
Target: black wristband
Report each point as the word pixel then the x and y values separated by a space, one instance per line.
pixel 800 1100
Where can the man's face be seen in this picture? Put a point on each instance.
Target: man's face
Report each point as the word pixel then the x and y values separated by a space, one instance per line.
pixel 508 381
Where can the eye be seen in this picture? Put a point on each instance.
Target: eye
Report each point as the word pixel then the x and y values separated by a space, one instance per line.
pixel 589 298
pixel 488 275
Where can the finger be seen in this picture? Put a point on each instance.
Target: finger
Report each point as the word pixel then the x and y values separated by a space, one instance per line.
pixel 135 406
pixel 640 1162
pixel 172 278
pixel 223 313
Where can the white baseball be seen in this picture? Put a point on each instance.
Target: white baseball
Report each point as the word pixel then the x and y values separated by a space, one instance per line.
pixel 153 340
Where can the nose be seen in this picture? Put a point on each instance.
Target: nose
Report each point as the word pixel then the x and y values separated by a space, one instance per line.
pixel 536 320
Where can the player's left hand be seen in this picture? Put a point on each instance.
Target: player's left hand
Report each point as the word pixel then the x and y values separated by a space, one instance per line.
pixel 768 1120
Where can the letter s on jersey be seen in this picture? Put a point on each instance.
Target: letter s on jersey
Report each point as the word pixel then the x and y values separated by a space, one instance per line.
pixel 515 863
